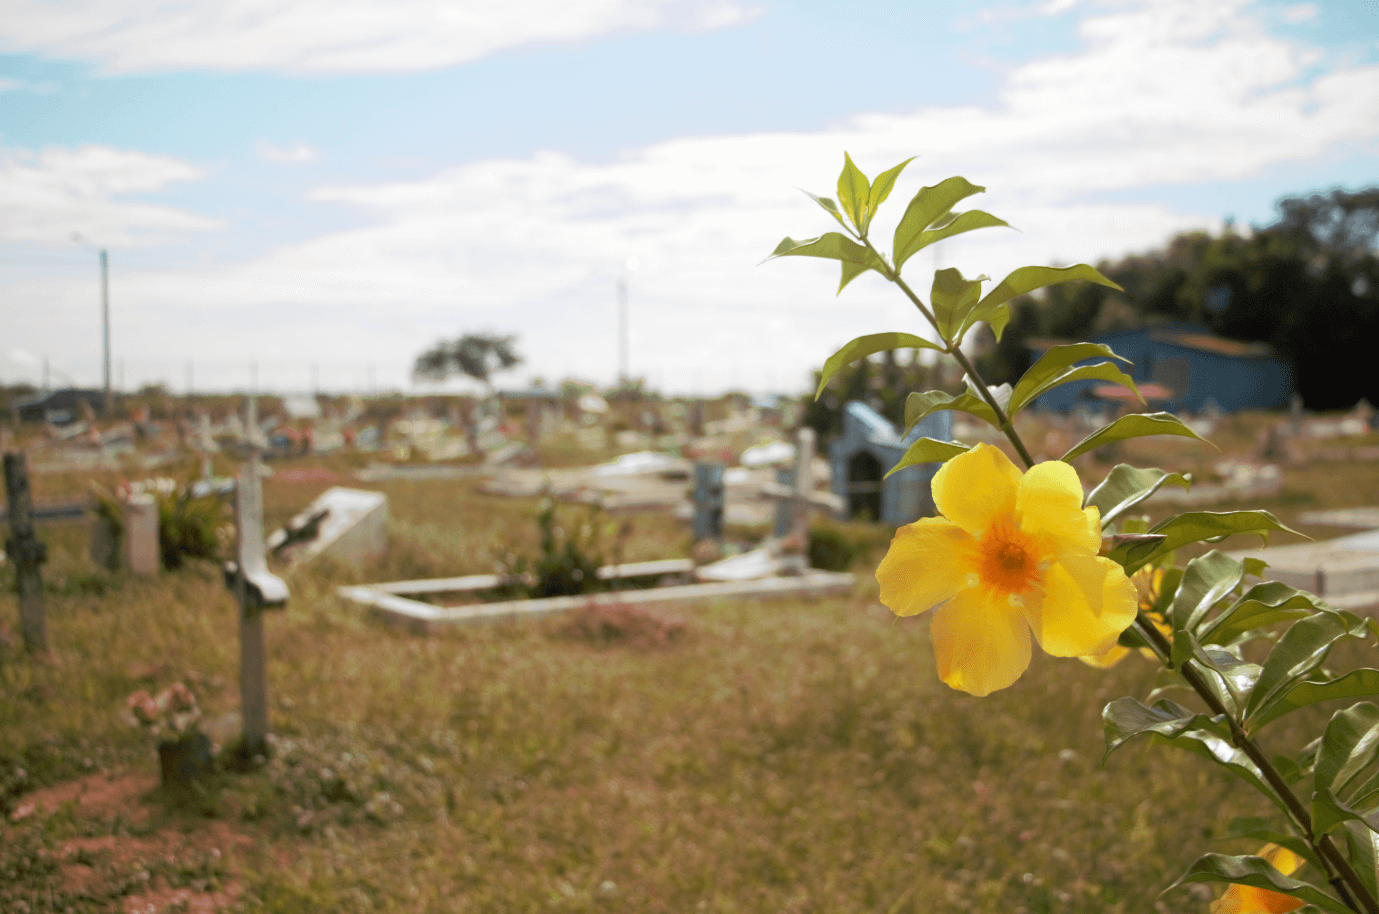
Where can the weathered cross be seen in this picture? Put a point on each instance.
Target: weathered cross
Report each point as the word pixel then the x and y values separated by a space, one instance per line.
pixel 27 553
pixel 256 589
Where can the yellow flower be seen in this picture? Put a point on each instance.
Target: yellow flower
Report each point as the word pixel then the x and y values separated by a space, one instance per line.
pixel 1012 552
pixel 1246 899
pixel 1147 582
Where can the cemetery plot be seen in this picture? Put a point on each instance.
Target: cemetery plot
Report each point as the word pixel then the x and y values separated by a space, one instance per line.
pixel 394 601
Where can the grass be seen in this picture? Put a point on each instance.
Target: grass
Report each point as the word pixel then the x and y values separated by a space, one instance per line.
pixel 778 756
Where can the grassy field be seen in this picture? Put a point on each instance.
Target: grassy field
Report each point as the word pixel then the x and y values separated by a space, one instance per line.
pixel 787 756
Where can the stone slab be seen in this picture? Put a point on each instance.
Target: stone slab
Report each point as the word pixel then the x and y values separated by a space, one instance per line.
pixel 423 617
pixel 1332 568
pixel 355 529
pixel 1361 518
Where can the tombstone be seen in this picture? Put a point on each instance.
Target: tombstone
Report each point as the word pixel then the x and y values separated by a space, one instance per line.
pixel 27 553
pixel 142 554
pixel 862 456
pixel 785 515
pixel 709 501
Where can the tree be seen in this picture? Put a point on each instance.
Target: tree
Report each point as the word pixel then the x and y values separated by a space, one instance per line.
pixel 474 355
pixel 1307 284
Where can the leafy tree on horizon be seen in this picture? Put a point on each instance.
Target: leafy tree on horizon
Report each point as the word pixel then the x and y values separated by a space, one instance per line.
pixel 1307 284
pixel 474 355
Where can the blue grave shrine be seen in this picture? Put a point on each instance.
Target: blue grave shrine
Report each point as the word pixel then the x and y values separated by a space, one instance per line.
pixel 866 451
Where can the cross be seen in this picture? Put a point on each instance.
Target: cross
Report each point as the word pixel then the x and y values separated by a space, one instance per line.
pixel 796 500
pixel 27 553
pixel 255 589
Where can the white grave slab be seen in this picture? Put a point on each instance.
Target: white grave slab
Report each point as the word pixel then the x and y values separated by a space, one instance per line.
pixel 355 529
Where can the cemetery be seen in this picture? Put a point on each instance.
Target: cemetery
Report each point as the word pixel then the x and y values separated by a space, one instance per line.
pixel 525 657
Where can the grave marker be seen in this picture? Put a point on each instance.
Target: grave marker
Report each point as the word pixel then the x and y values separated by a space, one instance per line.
pixel 141 550
pixel 27 553
pixel 709 501
pixel 255 589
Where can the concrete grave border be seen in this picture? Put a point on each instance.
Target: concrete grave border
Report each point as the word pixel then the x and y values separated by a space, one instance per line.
pixel 390 600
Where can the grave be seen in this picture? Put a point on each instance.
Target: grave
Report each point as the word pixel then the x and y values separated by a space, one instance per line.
pixel 392 601
pixel 347 525
pixel 867 449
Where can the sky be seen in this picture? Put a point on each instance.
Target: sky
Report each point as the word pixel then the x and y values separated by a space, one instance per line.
pixel 302 193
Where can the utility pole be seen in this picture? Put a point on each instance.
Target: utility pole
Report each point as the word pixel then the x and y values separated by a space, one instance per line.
pixel 105 322
pixel 622 330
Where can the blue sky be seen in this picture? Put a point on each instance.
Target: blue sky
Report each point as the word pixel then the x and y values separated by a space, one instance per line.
pixel 330 191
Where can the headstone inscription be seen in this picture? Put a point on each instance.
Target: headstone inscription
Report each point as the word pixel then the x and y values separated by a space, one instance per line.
pixel 27 553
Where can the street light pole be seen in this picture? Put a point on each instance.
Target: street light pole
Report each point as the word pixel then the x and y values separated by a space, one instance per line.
pixel 622 330
pixel 105 322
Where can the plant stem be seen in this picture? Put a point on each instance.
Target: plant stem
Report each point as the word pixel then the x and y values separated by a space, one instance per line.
pixel 951 347
pixel 1339 871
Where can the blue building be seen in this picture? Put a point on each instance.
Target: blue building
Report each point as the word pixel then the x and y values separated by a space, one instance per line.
pixel 866 451
pixel 1193 365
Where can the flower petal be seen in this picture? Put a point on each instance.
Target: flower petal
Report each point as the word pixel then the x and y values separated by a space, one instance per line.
pixel 1087 602
pixel 981 642
pixel 977 488
pixel 927 563
pixel 1107 658
pixel 1049 505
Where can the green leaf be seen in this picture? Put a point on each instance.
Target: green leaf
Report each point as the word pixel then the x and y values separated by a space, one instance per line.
pixel 881 189
pixel 1329 811
pixel 929 450
pixel 957 224
pixel 1349 744
pixel 1138 425
pixel 1301 650
pixel 1043 374
pixel 1206 581
pixel 1211 526
pixel 864 346
pixel 854 192
pixel 1355 684
pixel 1259 873
pixel 828 206
pixel 1263 604
pixel 952 297
pixel 1027 279
pixel 918 405
pixel 1126 486
pixel 926 208
pixel 1126 717
pixel 1257 828
pixel 855 258
pixel 1362 849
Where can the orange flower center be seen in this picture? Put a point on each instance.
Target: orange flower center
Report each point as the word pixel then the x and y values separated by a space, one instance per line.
pixel 1008 561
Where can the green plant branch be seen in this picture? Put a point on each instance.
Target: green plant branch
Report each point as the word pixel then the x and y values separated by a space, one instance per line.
pixel 1004 422
pixel 1339 871
pixel 1340 874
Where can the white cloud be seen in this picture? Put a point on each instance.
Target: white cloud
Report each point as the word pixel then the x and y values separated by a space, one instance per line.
pixel 296 154
pixel 330 35
pixel 1163 94
pixel 1300 13
pixel 46 196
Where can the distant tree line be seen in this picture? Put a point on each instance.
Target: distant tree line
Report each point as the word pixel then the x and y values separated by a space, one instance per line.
pixel 1307 284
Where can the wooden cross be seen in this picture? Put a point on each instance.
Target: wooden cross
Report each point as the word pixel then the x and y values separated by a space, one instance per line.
pixel 27 553
pixel 255 589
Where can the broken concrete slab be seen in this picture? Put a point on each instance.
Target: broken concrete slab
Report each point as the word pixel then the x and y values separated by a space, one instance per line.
pixel 353 529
